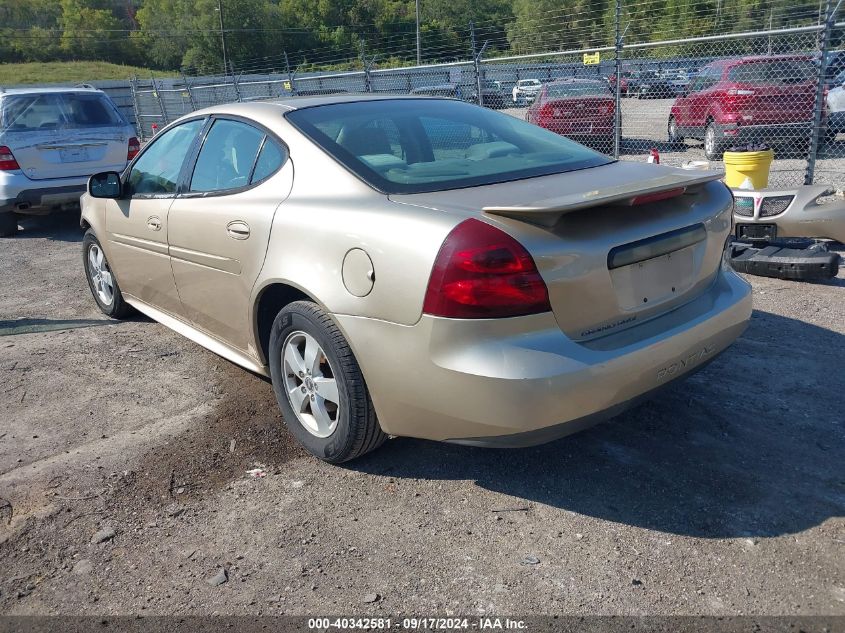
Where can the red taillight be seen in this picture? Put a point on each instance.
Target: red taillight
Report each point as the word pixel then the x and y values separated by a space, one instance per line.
pixel 482 272
pixel 7 159
pixel 546 112
pixel 133 149
pixel 656 197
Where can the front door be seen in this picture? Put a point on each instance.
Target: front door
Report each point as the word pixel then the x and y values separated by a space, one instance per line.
pixel 220 227
pixel 137 226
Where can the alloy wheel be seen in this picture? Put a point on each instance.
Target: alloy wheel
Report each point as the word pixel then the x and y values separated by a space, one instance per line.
pixel 310 384
pixel 101 276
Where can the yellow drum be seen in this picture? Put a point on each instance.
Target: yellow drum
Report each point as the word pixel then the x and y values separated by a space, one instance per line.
pixel 751 166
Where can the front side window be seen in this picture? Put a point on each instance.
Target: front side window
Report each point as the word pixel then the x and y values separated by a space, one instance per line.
pixel 156 172
pixel 415 145
pixel 227 156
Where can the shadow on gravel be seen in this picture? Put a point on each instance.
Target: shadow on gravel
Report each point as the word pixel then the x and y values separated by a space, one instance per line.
pixel 35 326
pixel 61 226
pixel 751 446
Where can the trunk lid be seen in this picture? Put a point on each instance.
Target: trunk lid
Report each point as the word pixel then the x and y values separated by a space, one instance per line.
pixel 608 265
pixel 63 135
pixel 586 108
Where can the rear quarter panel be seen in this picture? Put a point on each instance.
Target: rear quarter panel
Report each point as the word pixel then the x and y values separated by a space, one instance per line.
pixel 330 212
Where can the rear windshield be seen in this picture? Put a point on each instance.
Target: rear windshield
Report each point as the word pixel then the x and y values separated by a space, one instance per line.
pixel 782 71
pixel 413 146
pixel 50 111
pixel 578 90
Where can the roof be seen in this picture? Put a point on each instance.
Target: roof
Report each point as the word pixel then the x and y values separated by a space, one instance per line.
pixel 734 61
pixel 297 103
pixel 51 90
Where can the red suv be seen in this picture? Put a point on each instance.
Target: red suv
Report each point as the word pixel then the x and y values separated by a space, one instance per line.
pixel 749 100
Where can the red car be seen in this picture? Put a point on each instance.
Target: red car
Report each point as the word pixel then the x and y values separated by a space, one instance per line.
pixel 623 83
pixel 580 109
pixel 767 99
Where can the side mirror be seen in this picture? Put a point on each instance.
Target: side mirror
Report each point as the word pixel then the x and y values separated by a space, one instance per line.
pixel 106 184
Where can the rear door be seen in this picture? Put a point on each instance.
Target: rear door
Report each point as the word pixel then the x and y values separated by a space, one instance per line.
pixel 220 227
pixel 700 102
pixel 64 135
pixel 137 224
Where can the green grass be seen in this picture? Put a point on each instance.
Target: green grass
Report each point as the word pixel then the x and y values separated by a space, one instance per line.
pixel 69 72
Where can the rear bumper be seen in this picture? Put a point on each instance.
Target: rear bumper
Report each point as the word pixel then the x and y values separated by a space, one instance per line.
pixel 521 381
pixel 19 193
pixel 775 133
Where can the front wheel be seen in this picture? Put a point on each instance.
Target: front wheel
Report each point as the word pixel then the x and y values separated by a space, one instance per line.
pixel 101 280
pixel 319 385
pixel 8 224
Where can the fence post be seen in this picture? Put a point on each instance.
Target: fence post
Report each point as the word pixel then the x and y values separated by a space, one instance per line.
pixel 367 86
pixel 157 94
pixel 190 93
pixel 617 119
pixel 476 63
pixel 818 107
pixel 290 74
pixel 139 126
pixel 235 81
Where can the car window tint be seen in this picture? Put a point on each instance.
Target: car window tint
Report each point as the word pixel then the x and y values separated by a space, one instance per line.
pixel 270 158
pixel 90 110
pixel 578 89
pixel 157 170
pixel 32 112
pixel 453 139
pixel 416 145
pixel 789 71
pixel 227 156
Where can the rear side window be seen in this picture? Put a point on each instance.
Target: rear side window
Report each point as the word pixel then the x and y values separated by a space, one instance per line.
pixel 773 72
pixel 51 111
pixel 227 156
pixel 270 158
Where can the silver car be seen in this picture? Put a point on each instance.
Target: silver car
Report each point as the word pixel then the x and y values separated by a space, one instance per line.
pixel 418 266
pixel 51 141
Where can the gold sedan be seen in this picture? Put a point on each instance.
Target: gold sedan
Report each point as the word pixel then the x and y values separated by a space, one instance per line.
pixel 418 266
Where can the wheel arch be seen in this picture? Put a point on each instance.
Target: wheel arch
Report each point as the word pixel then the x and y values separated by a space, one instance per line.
pixel 269 300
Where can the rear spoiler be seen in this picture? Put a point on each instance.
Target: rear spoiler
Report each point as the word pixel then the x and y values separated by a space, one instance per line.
pixel 547 212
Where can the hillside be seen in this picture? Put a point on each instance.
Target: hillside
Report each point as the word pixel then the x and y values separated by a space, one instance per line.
pixel 68 72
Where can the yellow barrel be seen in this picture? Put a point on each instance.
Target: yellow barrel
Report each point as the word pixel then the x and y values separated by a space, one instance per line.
pixel 753 166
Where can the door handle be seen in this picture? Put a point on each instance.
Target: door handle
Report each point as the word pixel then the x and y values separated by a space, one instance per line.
pixel 154 223
pixel 238 230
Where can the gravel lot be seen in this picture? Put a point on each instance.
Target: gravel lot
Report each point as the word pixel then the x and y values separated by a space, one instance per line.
pixel 725 495
pixel 644 125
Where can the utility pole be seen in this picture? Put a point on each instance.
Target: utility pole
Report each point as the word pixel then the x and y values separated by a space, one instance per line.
pixel 222 35
pixel 419 49
pixel 617 118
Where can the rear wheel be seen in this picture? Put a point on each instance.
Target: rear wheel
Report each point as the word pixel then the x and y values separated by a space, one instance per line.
pixel 8 224
pixel 675 138
pixel 319 386
pixel 712 145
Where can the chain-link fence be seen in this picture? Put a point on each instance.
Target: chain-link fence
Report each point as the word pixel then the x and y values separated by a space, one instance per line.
pixel 687 99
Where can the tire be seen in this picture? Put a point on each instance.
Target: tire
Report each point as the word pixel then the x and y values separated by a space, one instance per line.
pixel 8 224
pixel 712 147
pixel 334 432
pixel 99 275
pixel 675 139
